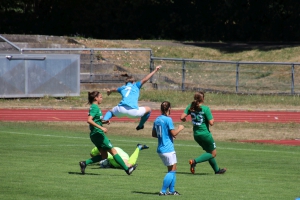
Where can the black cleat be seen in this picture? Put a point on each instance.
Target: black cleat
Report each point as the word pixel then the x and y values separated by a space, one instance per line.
pixel 221 171
pixel 141 146
pixel 162 194
pixel 193 165
pixel 82 165
pixel 174 193
pixel 131 169
pixel 139 128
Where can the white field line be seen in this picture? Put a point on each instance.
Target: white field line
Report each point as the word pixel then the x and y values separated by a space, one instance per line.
pixel 133 141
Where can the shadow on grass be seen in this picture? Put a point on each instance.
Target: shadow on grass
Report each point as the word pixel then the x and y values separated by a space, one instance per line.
pixel 140 192
pixel 196 174
pixel 79 173
pixel 235 47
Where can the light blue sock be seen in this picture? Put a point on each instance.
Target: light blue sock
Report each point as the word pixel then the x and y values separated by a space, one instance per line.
pixel 108 115
pixel 172 185
pixel 167 181
pixel 144 118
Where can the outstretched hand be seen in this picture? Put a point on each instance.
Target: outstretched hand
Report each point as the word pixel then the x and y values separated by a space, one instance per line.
pixel 108 92
pixel 158 67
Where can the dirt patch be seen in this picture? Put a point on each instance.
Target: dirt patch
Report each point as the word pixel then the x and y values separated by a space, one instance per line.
pixel 295 142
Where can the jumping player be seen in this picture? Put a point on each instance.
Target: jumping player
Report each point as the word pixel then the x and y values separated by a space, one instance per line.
pixel 129 104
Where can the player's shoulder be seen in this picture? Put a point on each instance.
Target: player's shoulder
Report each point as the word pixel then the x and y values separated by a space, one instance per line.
pixel 205 107
pixel 94 106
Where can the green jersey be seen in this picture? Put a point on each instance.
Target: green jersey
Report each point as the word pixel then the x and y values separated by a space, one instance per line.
pixel 200 119
pixel 96 113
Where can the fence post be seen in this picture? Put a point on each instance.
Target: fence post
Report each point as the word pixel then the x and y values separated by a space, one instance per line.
pixel 237 78
pixel 183 75
pixel 292 77
pixel 151 65
pixel 91 64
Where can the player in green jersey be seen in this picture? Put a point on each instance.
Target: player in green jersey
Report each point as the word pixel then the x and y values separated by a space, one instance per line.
pixel 98 137
pixel 202 118
pixel 129 161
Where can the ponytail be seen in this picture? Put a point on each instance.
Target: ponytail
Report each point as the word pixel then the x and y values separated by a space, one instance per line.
pixel 198 100
pixel 164 107
pixel 92 96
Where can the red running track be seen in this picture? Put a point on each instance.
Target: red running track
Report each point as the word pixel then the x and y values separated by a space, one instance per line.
pixel 219 116
pixel 81 115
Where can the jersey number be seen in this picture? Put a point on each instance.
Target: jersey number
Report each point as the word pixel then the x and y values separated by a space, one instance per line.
pixel 158 131
pixel 197 118
pixel 127 93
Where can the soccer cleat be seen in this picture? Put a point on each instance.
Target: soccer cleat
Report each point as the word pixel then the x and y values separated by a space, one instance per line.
pixel 221 171
pixel 82 165
pixel 174 193
pixel 141 146
pixel 162 194
pixel 131 169
pixel 193 165
pixel 139 128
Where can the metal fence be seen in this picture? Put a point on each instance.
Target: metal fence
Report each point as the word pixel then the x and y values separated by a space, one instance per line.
pixel 228 76
pixel 103 65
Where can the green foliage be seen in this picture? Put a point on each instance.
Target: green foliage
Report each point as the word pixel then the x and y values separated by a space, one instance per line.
pixel 180 20
pixel 40 161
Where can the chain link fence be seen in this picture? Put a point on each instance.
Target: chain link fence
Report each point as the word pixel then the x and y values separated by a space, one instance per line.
pixel 106 65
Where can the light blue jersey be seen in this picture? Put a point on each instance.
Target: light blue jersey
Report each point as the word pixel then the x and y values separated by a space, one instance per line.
pixel 163 125
pixel 130 94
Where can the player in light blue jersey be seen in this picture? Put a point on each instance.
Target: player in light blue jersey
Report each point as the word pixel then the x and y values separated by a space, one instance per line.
pixel 163 129
pixel 128 107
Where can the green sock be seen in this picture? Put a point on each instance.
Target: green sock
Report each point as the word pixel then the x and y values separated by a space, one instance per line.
pixel 120 161
pixel 204 157
pixel 93 159
pixel 213 164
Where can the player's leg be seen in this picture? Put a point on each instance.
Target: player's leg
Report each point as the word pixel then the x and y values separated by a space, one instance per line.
pixel 172 190
pixel 134 156
pixel 109 114
pixel 120 161
pixel 208 144
pixel 144 118
pixel 97 140
pixel 122 154
pixel 169 160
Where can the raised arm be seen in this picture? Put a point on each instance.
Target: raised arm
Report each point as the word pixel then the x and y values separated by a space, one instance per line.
pixel 109 91
pixel 146 78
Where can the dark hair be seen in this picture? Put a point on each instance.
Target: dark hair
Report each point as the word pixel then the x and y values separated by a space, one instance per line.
pixel 130 79
pixel 164 107
pixel 92 96
pixel 198 99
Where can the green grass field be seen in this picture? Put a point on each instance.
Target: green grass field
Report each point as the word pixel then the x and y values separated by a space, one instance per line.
pixel 40 161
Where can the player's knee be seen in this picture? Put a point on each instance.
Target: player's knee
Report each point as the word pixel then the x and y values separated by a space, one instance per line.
pixel 148 109
pixel 214 153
